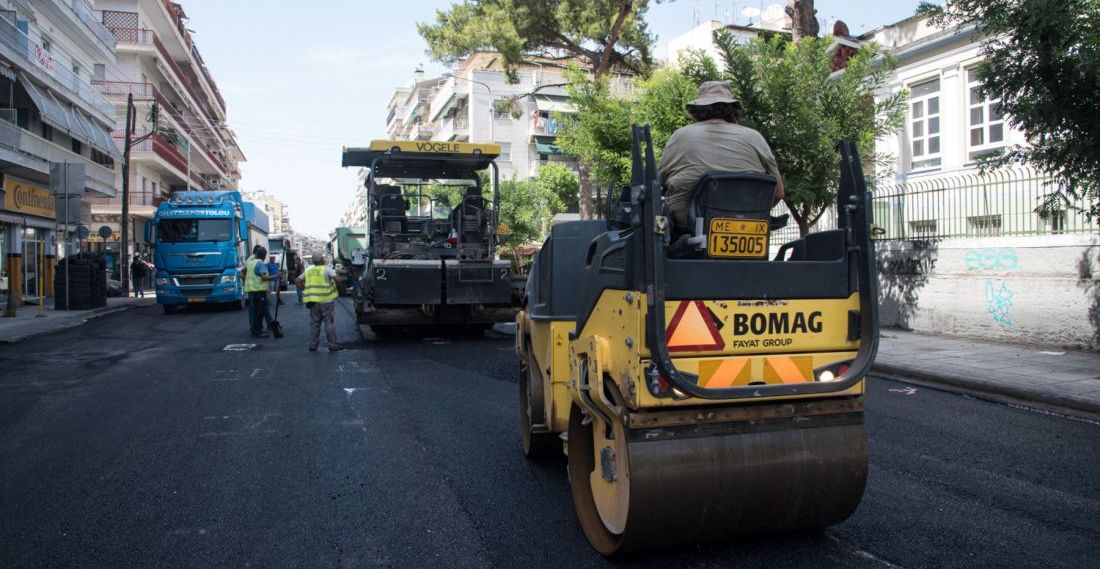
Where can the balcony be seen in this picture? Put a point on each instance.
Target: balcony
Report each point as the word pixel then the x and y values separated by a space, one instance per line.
pixel 150 91
pixel 454 128
pixel 169 153
pixel 545 127
pixel 41 62
pixel 98 177
pixel 145 37
pixel 85 13
pixel 136 198
pixel 423 131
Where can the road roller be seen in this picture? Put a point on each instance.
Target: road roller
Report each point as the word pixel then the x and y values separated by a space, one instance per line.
pixel 701 387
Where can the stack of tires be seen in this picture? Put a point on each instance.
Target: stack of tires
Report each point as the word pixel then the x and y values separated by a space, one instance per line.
pixel 87 282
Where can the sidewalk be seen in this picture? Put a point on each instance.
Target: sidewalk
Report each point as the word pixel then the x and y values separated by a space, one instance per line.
pixel 27 323
pixel 1043 377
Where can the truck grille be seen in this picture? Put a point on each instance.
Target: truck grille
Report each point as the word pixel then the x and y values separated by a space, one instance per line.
pixel 195 280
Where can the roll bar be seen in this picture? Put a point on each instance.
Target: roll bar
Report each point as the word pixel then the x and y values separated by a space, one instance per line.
pixel 854 217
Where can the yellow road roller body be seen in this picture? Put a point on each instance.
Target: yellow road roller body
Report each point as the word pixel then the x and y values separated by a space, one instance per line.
pixel 701 390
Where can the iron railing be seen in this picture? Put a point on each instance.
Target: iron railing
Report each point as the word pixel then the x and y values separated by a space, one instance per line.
pixel 1003 202
pixel 132 35
pixel 40 59
pixel 999 203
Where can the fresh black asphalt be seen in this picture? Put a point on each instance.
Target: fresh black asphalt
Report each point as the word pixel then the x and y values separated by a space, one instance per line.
pixel 136 440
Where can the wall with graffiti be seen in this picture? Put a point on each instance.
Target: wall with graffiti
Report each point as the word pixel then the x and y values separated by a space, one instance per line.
pixel 1042 289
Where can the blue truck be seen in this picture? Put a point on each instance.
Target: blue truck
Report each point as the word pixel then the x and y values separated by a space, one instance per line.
pixel 202 240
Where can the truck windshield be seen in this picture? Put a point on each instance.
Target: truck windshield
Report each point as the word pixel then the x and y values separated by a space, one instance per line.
pixel 190 230
pixel 275 246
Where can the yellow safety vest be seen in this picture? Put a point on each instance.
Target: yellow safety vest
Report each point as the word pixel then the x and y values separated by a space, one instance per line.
pixel 252 281
pixel 317 290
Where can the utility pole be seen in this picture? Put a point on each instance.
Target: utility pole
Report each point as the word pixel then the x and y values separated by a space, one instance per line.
pixel 130 141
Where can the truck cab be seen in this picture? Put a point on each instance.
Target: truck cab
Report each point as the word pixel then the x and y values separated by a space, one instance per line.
pixel 202 240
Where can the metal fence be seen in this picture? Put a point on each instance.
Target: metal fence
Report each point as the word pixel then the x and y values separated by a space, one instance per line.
pixel 970 204
pixel 1004 202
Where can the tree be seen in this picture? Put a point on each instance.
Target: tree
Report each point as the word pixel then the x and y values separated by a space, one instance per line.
pixel 560 181
pixel 1042 60
pixel 803 19
pixel 791 97
pixel 603 33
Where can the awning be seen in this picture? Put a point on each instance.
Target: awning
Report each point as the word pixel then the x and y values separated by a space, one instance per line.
pixel 554 104
pixel 544 148
pixel 70 120
pixel 8 73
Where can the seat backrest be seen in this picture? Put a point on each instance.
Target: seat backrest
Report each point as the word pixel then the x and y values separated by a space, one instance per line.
pixel 727 196
pixel 737 195
pixel 471 218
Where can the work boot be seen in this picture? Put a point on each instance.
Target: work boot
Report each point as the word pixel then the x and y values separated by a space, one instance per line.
pixel 261 335
pixel 313 348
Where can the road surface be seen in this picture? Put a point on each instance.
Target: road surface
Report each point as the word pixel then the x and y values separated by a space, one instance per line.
pixel 137 440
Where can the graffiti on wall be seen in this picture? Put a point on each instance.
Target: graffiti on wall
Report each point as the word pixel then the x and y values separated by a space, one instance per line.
pixel 998 302
pixel 1000 259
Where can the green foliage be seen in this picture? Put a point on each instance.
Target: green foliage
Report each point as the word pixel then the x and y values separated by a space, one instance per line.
pixel 527 207
pixel 558 181
pixel 697 65
pixel 1042 60
pixel 524 29
pixel 599 132
pixel 791 97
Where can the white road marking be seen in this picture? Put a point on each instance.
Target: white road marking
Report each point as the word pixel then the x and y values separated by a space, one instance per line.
pixel 226 375
pixel 905 390
pixel 238 347
pixel 1052 353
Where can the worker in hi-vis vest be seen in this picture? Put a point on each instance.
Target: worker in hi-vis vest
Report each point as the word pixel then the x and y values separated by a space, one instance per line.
pixel 318 284
pixel 256 278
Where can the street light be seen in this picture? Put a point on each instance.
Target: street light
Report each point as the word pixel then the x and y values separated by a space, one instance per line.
pixel 492 110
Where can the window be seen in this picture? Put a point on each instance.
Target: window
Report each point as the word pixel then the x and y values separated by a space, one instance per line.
pixel 984 225
pixel 46 44
pixel 924 124
pixel 923 227
pixel 75 145
pixel 505 152
pixel 47 131
pixel 191 230
pixel 1057 221
pixel 986 122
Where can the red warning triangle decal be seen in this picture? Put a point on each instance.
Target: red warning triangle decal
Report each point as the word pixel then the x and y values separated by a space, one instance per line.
pixel 692 329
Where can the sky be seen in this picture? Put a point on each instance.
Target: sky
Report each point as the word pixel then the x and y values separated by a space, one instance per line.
pixel 304 79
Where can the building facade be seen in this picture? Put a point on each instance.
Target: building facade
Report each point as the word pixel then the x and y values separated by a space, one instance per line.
pixel 193 148
pixel 277 211
pixel 50 50
pixel 965 251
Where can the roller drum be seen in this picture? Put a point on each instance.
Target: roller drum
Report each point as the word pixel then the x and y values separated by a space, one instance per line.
pixel 711 482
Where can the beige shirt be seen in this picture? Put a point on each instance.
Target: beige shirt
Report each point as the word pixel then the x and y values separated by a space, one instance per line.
pixel 709 145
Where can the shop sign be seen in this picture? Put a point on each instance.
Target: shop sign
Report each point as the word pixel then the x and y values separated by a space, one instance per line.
pixel 27 198
pixel 43 58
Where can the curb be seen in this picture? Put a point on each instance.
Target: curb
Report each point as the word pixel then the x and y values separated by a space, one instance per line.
pixel 990 389
pixel 74 322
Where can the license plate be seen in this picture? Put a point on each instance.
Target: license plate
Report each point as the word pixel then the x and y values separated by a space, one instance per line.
pixel 738 238
pixel 196 300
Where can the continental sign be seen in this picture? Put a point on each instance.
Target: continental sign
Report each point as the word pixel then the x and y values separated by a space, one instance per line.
pixel 759 326
pixel 435 147
pixel 27 198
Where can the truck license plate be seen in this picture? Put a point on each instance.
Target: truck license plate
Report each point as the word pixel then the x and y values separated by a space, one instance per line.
pixel 196 299
pixel 738 238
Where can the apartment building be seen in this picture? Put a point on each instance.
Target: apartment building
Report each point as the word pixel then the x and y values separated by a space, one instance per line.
pixel 475 102
pixel 193 148
pixel 277 211
pixel 51 115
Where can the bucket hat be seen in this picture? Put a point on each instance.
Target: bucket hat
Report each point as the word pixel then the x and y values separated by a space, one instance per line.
pixel 714 92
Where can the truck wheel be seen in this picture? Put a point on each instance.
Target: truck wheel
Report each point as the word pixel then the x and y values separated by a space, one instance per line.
pixel 532 411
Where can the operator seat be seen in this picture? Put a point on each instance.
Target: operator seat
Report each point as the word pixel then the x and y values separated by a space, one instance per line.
pixel 470 217
pixel 391 210
pixel 717 194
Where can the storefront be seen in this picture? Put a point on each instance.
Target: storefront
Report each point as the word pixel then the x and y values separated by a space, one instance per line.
pixel 27 244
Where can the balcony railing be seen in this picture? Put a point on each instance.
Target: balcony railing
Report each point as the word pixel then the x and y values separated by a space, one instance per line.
pixel 545 127
pixel 40 59
pixel 136 198
pixel 140 36
pixel 169 152
pixel 85 13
